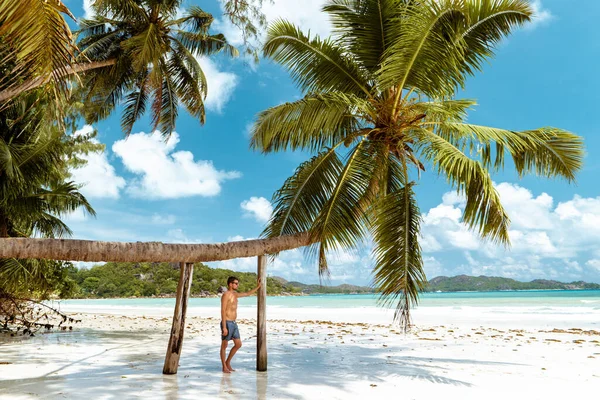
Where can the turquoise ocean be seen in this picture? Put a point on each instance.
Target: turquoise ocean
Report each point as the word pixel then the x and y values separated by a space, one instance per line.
pixel 535 299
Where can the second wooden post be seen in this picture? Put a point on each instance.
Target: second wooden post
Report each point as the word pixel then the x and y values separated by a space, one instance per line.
pixel 176 339
pixel 261 317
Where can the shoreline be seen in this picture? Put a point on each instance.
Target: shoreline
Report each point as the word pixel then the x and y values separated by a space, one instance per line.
pixel 333 294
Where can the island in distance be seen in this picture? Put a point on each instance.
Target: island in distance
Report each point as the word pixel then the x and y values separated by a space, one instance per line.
pixel 123 280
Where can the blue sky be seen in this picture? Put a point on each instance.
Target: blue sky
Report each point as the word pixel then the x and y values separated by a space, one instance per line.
pixel 205 185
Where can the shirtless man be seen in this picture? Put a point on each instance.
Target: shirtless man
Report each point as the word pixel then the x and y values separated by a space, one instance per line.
pixel 229 329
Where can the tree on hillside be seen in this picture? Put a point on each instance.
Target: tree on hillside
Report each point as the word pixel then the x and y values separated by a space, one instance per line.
pixel 379 110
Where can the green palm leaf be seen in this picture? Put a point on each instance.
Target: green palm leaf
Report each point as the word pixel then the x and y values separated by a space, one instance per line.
pixel 339 224
pixel 548 152
pixel 399 274
pixel 315 65
pixel 311 123
pixel 483 210
pixel 304 194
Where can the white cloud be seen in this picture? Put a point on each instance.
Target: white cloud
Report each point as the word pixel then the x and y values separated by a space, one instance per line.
pixel 306 14
pixel 526 211
pixel 165 174
pixel 594 264
pixel 163 219
pixel 547 240
pixel 257 207
pixel 97 176
pixel 87 8
pixel 220 84
pixel 540 15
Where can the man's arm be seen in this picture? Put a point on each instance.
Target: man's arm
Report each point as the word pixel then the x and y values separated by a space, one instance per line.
pixel 251 292
pixel 223 307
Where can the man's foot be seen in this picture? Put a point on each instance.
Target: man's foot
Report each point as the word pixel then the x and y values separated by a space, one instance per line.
pixel 229 368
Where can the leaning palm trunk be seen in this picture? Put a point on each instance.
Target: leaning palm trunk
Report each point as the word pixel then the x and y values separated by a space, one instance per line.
pixel 42 80
pixel 90 250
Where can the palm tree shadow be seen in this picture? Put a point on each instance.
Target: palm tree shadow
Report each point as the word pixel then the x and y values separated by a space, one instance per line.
pixel 122 368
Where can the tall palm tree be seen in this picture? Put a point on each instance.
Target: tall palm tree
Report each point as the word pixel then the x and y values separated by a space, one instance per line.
pixel 131 50
pixel 139 51
pixel 34 188
pixel 152 60
pixel 379 109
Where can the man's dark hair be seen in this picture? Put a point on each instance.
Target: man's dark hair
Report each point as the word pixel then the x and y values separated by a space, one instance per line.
pixel 231 279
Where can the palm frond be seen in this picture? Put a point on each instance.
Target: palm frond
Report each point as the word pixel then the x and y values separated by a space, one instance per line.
pixel 196 19
pixel 311 123
pixel 134 107
pixel 40 42
pixel 131 10
pixel 316 65
pixel 190 83
pixel 204 45
pixel 363 27
pixel 339 224
pixel 303 195
pixel 435 47
pixel 399 275
pixel 483 210
pixel 548 152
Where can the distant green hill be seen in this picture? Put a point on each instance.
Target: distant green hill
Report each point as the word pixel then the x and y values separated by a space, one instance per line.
pixel 160 280
pixel 342 289
pixel 492 283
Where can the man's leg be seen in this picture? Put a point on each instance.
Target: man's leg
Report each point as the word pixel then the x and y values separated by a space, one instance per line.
pixel 237 343
pixel 223 351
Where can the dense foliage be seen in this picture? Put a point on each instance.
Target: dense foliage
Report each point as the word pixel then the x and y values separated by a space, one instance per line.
pixel 160 279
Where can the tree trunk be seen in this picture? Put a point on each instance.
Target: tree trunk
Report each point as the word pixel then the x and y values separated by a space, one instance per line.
pixel 90 250
pixel 177 329
pixel 42 80
pixel 3 225
pixel 261 317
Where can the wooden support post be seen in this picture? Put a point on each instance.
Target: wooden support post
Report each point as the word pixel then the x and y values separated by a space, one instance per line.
pixel 261 318
pixel 176 339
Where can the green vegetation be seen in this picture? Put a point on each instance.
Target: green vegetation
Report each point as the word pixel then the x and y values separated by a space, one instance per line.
pixel 463 283
pixel 160 279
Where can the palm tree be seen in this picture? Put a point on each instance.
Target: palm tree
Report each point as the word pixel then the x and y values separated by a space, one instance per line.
pixel 152 55
pixel 138 51
pixel 34 190
pixel 378 108
pixel 131 50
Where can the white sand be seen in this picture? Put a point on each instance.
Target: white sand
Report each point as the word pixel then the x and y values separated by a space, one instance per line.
pixel 452 353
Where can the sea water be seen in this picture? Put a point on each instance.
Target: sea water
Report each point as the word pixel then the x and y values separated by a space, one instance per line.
pixel 523 298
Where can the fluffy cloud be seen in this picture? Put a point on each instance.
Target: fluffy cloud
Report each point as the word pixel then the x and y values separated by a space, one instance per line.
pixel 97 176
pixel 257 207
pixel 546 240
pixel 306 14
pixel 165 174
pixel 220 84
pixel 87 9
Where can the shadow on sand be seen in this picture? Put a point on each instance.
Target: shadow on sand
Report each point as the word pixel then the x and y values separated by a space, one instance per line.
pixel 93 364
